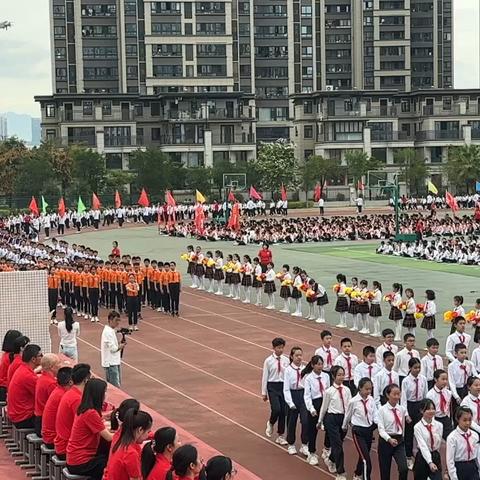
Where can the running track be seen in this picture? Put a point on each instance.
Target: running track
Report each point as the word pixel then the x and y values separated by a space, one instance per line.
pixel 203 371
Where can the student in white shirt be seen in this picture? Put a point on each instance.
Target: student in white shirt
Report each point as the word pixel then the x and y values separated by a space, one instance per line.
pixel 391 428
pixel 342 303
pixel 218 275
pixel 375 310
pixel 272 389
pixel 269 288
pixel 462 448
pixel 395 312
pixel 459 336
pixel 111 349
pixel 459 371
pixel 293 391
pixel 316 383
pixel 257 283
pixel 363 306
pixel 348 361
pixel 475 358
pixel 353 307
pixel 362 415
pixel 414 389
pixel 296 293
pixel 429 310
pixel 431 362
pixel 387 345
pixel 332 414
pixel 442 397
pixel 409 321
pixel 68 331
pixel 385 377
pixel 403 356
pixel 458 310
pixel 326 351
pixel 368 368
pixel 428 435
pixel 472 401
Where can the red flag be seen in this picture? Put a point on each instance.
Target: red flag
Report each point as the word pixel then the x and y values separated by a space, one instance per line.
pixel 143 199
pixel 283 192
pixel 199 218
pixel 451 201
pixel 234 220
pixel 254 194
pixel 360 186
pixel 231 196
pixel 61 207
pixel 95 202
pixel 317 193
pixel 33 206
pixel 118 200
pixel 170 199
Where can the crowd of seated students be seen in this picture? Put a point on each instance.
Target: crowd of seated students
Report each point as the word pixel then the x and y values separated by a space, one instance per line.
pixel 461 250
pixel 66 407
pixel 412 202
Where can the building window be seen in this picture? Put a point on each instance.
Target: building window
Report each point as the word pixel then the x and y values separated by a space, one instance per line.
pixel 50 111
pixel 307 51
pixel 307 154
pixel 446 103
pixel 167 28
pixel 59 10
pixel 307 131
pixel 99 52
pixel 87 108
pixel 50 134
pixel 131 50
pixel 117 136
pixel 167 71
pixel 244 8
pixel 132 72
pixel 167 50
pixel 307 72
pixel 306 31
pixel 155 134
pixel 106 108
pixel 59 32
pixel 306 10
pixel 98 10
pixel 307 107
pixel 210 7
pixel 155 109
pixel 210 29
pixel 211 70
pixel 131 8
pixel 211 50
pixel 60 53
pixel 113 161
pixel 166 7
pixel 131 29
pixel 61 74
pixel 138 110
pixel 244 29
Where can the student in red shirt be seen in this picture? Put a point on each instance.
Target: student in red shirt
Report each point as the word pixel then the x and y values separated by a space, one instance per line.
pixel 46 384
pixel 186 464
pixel 18 345
pixel 88 427
pixel 265 256
pixel 21 391
pixel 67 408
pixel 157 454
pixel 7 358
pixel 64 382
pixel 124 462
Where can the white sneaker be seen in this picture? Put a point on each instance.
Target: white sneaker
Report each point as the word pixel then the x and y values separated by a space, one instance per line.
pixel 341 477
pixel 229 295
pixel 270 307
pixel 330 465
pixel 362 331
pixel 97 319
pixel 325 453
pixel 281 440
pixel 410 463
pixel 356 477
pixel 376 335
pixel 258 304
pixel 236 298
pixel 201 288
pixel 218 293
pixel 92 319
pixel 304 450
pixel 283 310
pixel 353 329
pixel 292 450
pixel 135 328
pixel 79 314
pixel 312 459
pixel 193 286
pixel 320 320
pixel 159 309
pixel 74 311
pixel 210 290
pixel 269 429
pixel 296 314
pixel 341 325
pixel 86 316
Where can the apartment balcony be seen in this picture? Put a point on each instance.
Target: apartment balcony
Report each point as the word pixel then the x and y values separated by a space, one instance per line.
pixel 87 140
pixel 120 141
pixel 393 136
pixel 438 135
pixel 475 134
pixel 116 116
pixel 220 114
pixel 340 138
pixel 454 110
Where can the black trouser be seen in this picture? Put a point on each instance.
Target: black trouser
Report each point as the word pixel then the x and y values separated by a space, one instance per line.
pixel 93 469
pixel 52 301
pixel 292 417
pixel 333 426
pixel 96 223
pixel 312 427
pixel 47 231
pixel 86 303
pixel 145 292
pixel 165 298
pixel 78 298
pixel 430 384
pixel 3 394
pixel 362 438
pixel 104 295
pixel 27 423
pixel 132 310
pixel 112 294
pixel 447 426
pixel 414 413
pixel 421 470
pixel 120 297
pixel 385 454
pixel 351 386
pixel 467 470
pixel 60 229
pixel 69 297
pixel 120 221
pixel 38 426
pixel 278 408
pixel 174 289
pixel 93 294
pixel 322 210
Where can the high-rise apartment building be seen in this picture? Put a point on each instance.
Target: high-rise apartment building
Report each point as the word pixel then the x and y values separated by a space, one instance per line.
pixel 3 127
pixel 266 50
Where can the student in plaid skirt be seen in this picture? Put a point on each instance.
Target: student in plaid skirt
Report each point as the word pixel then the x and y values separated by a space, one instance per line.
pixel 228 275
pixel 199 268
pixel 312 298
pixel 395 312
pixel 257 283
pixel 191 264
pixel 409 321
pixel 322 300
pixel 342 303
pixel 209 271
pixel 235 279
pixel 430 309
pixel 375 310
pixel 269 288
pixel 247 277
pixel 363 306
pixel 296 292
pixel 353 307
pixel 218 275
pixel 285 293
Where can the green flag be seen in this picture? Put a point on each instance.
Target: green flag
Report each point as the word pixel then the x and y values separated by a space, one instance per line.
pixel 44 205
pixel 80 206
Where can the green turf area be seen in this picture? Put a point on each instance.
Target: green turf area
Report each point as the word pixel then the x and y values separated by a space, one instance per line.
pixel 321 261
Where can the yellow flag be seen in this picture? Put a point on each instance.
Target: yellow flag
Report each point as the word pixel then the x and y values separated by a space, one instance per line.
pixel 200 197
pixel 432 188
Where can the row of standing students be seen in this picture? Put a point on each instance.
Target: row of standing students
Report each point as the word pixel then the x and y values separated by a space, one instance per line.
pixel 406 409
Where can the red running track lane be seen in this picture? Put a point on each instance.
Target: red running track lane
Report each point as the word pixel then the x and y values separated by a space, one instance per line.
pixel 203 372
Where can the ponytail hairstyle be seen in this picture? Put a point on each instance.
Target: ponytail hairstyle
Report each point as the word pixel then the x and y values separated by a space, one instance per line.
pixel 377 285
pixel 218 468
pixel 247 258
pixel 459 299
pixel 118 414
pixel 341 278
pixel 364 283
pixel 8 344
pixel 296 270
pixel 313 361
pixel 427 404
pixel 182 458
pixel 292 352
pixel 398 287
pixel 162 438
pixel 134 419
pixel 68 313
pixel 313 284
pixel 334 371
pixel 388 389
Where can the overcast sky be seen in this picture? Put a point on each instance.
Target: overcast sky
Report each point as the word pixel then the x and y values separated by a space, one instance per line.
pixel 25 52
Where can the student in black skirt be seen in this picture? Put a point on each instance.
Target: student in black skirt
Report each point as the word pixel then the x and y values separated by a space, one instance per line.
pixel 342 303
pixel 322 300
pixel 257 282
pixel 395 312
pixel 228 274
pixel 218 275
pixel 311 298
pixel 247 270
pixel 428 435
pixel 409 321
pixel 375 310
pixel 209 271
pixel 476 335
pixel 191 264
pixel 270 288
pixel 353 307
pixel 296 292
pixel 236 279
pixel 430 309
pixel 285 292
pixel 363 306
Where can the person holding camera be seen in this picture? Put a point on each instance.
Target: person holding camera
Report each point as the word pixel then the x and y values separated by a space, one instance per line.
pixel 111 350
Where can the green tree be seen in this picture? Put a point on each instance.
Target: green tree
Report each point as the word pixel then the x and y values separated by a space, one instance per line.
pixel 463 167
pixel 88 170
pixel 319 169
pixel 276 164
pixel 413 170
pixel 199 178
pixel 359 163
pixel 62 163
pixel 34 175
pixel 117 180
pixel 12 152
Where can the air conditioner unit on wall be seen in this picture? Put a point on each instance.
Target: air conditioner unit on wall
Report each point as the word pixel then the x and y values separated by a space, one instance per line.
pixel 329 88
